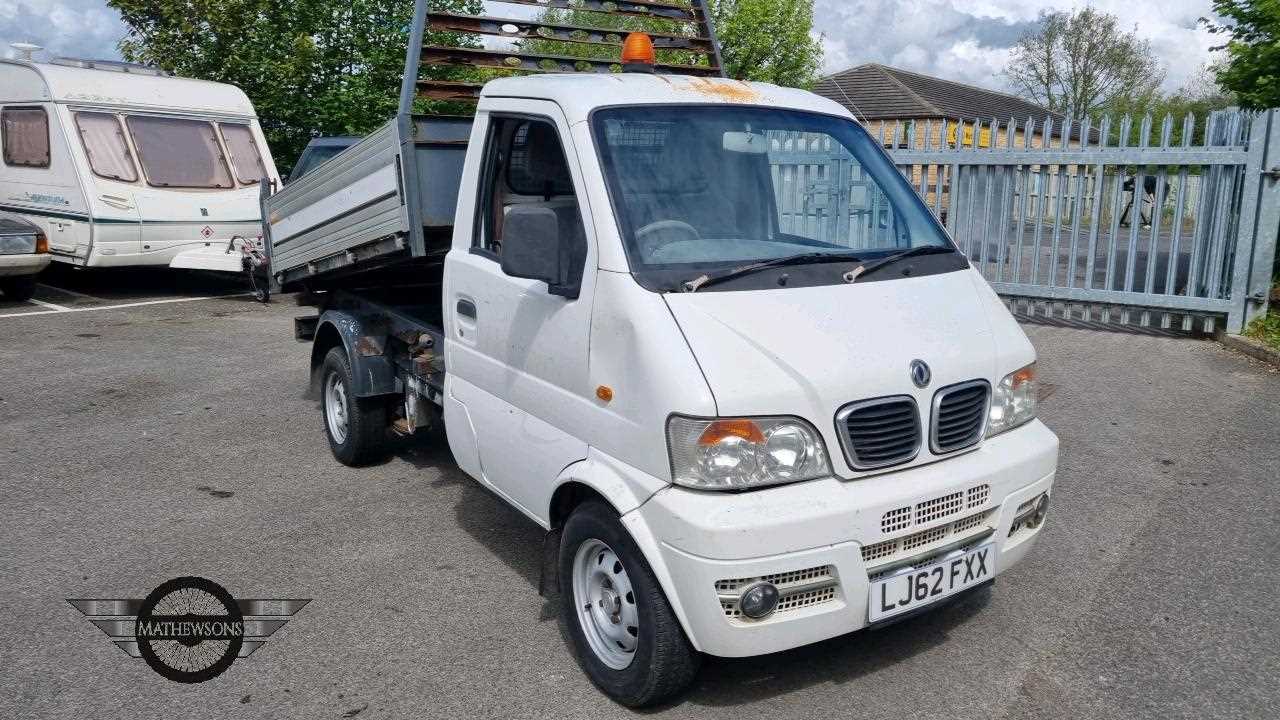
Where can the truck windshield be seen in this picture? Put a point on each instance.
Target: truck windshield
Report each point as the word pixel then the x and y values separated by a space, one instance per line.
pixel 702 190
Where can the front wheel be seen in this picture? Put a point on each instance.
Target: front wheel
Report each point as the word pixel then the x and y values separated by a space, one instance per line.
pixel 626 637
pixel 356 427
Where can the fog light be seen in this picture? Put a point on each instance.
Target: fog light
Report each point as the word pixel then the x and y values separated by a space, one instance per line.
pixel 758 600
pixel 1042 509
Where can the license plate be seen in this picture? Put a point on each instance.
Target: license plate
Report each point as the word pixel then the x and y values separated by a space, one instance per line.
pixel 915 588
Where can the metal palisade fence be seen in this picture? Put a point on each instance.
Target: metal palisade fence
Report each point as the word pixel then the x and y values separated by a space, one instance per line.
pixel 1079 220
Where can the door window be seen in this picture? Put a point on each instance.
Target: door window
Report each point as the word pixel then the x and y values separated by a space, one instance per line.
pixel 105 146
pixel 525 167
pixel 26 136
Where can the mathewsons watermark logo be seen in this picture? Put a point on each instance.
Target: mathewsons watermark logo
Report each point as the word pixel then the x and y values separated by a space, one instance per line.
pixel 189 629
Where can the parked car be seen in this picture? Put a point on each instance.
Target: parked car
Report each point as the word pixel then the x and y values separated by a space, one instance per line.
pixel 318 151
pixel 740 436
pixel 124 164
pixel 24 252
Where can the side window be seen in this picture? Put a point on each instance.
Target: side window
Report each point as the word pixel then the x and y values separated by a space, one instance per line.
pixel 26 136
pixel 104 144
pixel 526 170
pixel 245 158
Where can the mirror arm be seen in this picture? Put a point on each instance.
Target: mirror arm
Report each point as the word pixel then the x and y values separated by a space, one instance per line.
pixel 565 290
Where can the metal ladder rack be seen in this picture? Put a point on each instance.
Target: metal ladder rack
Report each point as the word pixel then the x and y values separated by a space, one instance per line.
pixel 692 15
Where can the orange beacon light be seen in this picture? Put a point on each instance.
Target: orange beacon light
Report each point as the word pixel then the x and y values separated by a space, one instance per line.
pixel 638 54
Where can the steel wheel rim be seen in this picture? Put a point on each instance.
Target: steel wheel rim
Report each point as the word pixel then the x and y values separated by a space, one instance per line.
pixel 335 407
pixel 606 604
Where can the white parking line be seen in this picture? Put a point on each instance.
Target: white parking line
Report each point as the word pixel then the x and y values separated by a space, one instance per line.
pixel 73 293
pixel 42 303
pixel 118 307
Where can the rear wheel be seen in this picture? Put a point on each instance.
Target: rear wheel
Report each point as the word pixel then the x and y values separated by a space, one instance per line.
pixel 626 637
pixel 356 427
pixel 20 288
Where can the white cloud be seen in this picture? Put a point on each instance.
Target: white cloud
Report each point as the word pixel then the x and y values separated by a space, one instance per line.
pixel 75 28
pixel 969 41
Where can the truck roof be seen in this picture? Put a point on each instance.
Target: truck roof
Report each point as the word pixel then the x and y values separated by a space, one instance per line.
pixel 25 81
pixel 580 93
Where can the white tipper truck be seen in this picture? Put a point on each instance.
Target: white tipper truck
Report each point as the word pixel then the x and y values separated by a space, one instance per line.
pixel 744 428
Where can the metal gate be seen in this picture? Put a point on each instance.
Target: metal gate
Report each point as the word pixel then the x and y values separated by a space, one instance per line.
pixel 1078 221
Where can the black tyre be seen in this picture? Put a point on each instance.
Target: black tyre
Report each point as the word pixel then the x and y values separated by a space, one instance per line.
pixel 625 636
pixel 356 427
pixel 19 289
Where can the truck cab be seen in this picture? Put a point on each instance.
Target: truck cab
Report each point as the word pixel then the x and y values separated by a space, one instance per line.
pixel 788 401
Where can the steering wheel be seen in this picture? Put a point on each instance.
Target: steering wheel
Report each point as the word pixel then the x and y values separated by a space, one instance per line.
pixel 656 235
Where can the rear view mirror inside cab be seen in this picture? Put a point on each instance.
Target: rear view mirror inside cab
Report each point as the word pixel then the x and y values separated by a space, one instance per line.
pixel 746 143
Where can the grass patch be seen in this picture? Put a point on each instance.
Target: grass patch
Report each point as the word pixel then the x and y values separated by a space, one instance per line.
pixel 1266 329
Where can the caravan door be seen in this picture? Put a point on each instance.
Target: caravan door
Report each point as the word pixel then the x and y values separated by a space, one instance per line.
pixel 117 232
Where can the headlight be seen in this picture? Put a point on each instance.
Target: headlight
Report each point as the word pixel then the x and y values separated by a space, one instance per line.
pixel 1014 401
pixel 738 453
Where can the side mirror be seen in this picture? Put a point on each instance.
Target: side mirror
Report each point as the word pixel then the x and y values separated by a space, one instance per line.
pixel 531 245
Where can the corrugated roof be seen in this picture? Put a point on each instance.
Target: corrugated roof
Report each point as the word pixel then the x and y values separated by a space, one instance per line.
pixel 880 92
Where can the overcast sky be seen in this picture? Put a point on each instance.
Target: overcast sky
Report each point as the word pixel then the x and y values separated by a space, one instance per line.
pixel 965 40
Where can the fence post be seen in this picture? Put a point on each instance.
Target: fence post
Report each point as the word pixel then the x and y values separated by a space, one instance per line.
pixel 1259 223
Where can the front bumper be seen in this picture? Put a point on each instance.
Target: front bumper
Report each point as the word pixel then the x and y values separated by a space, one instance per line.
pixel 813 538
pixel 28 264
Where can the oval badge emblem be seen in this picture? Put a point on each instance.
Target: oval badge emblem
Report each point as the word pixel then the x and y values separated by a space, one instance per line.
pixel 920 373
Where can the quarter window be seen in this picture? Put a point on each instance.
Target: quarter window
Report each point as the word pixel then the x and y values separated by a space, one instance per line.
pixel 179 153
pixel 245 158
pixel 105 145
pixel 26 137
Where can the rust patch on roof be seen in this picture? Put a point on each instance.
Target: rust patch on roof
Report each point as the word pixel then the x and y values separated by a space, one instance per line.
pixel 732 91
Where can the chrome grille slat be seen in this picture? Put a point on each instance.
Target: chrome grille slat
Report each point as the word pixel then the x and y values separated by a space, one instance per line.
pixel 959 417
pixel 879 433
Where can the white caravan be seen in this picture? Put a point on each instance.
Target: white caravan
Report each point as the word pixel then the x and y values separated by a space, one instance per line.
pixel 123 164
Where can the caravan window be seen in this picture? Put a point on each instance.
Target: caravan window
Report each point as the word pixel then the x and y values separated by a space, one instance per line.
pixel 105 145
pixel 179 153
pixel 245 157
pixel 26 136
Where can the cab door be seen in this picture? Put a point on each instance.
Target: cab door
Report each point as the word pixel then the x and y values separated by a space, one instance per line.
pixel 518 394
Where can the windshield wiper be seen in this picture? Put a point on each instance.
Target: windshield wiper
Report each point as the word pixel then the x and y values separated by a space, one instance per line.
pixel 869 268
pixel 814 257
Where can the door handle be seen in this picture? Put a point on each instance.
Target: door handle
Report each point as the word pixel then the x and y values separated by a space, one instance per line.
pixel 467 309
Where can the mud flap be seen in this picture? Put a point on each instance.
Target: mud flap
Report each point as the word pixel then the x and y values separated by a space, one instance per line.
pixel 549 577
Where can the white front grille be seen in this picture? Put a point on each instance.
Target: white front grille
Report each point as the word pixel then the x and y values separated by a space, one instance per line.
pixel 931 510
pixel 934 509
pixel 889 551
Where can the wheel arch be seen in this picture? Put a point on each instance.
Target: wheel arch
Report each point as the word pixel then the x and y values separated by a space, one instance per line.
pixel 372 375
pixel 625 490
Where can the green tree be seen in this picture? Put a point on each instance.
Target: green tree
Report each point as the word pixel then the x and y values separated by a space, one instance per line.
pixel 1252 68
pixel 768 40
pixel 1080 63
pixel 1198 96
pixel 311 67
pixel 765 40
